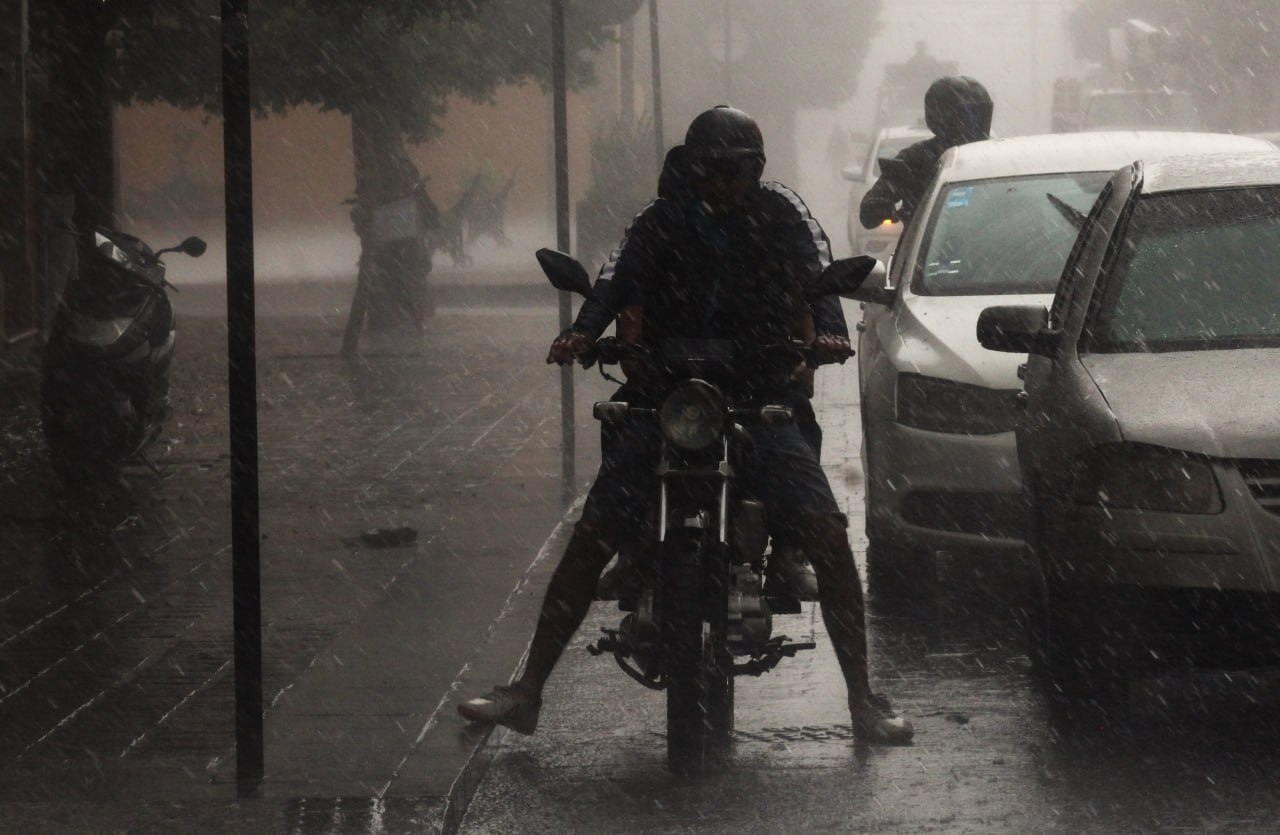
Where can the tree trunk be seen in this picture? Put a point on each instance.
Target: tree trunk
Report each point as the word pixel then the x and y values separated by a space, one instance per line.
pixel 390 217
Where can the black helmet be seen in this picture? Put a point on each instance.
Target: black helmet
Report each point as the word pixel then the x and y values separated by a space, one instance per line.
pixel 958 109
pixel 724 132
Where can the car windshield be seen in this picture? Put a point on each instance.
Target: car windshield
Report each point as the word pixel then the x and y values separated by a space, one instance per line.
pixel 1009 235
pixel 1197 270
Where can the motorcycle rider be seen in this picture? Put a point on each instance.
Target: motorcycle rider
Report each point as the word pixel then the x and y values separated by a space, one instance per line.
pixel 958 109
pixel 720 266
pixel 787 567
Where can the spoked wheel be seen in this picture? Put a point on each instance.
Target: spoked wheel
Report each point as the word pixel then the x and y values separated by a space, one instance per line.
pixel 697 667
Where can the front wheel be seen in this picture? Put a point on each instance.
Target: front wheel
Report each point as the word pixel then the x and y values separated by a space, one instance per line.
pixel 698 668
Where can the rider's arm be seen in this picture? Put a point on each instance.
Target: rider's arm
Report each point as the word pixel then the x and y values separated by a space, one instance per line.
pixel 879 204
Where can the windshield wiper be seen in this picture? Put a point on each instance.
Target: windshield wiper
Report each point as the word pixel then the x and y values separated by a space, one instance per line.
pixel 1073 215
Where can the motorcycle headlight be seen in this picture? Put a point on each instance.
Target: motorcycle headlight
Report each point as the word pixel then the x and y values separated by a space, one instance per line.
pixel 692 416
pixel 1135 477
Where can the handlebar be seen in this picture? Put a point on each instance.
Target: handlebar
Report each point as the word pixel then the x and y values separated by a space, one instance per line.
pixel 609 350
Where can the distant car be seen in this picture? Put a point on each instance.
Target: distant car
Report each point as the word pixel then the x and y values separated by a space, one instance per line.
pixel 1149 441
pixel 938 409
pixel 888 142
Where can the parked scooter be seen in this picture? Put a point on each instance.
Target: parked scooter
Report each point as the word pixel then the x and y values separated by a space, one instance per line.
pixel 105 385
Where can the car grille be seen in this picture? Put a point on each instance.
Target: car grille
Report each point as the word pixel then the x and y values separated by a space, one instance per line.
pixel 1263 478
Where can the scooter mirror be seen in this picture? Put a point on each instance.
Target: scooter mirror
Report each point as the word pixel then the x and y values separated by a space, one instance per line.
pixel 564 272
pixel 843 277
pixel 193 246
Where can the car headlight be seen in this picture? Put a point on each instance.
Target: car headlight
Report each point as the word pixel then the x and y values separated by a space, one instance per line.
pixel 939 405
pixel 692 416
pixel 1138 477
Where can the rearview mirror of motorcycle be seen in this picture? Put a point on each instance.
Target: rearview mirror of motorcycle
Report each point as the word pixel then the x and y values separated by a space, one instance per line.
pixel 193 246
pixel 564 272
pixel 844 276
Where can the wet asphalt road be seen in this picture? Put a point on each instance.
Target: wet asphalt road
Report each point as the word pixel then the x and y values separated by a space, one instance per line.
pixel 993 752
pixel 115 675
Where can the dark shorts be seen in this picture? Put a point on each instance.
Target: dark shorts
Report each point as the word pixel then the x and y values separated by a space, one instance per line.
pixel 783 472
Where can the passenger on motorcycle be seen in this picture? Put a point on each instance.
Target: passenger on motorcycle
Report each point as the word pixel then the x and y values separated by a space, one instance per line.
pixel 721 266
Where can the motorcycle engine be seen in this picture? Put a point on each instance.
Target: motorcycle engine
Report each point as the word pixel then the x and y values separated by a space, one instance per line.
pixel 750 623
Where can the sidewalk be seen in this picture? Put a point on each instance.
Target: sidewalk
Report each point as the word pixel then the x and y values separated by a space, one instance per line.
pixel 116 690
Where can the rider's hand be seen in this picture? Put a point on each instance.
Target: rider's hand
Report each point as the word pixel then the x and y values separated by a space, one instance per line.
pixel 567 346
pixel 831 349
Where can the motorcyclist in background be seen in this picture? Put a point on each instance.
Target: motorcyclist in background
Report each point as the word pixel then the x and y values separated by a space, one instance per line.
pixel 958 109
pixel 723 265
pixel 788 571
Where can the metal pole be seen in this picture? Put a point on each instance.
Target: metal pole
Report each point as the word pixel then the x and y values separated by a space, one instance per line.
pixel 560 109
pixel 243 394
pixel 656 63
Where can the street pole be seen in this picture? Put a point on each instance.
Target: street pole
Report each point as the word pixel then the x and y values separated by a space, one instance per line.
pixel 243 395
pixel 559 100
pixel 655 63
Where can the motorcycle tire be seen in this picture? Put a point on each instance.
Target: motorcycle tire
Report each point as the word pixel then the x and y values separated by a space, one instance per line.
pixel 696 662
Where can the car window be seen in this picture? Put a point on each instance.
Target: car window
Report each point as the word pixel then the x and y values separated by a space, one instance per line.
pixel 1197 270
pixel 1008 235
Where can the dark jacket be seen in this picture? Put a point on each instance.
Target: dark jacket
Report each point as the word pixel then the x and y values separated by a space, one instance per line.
pixel 774 242
pixel 880 203
pixel 958 110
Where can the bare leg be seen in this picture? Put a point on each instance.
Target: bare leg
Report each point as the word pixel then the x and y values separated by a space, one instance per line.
pixel 840 592
pixel 844 613
pixel 568 599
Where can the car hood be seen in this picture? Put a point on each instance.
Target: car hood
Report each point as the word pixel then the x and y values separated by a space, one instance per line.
pixel 1220 403
pixel 938 337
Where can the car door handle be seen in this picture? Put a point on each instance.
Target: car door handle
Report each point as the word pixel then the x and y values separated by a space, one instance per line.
pixel 861 327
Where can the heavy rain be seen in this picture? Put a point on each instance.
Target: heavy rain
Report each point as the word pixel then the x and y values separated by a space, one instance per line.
pixel 346 344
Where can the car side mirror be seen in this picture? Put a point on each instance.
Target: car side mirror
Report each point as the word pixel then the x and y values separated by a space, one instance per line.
pixel 1014 329
pixel 875 287
pixel 853 173
pixel 846 276
pixel 564 272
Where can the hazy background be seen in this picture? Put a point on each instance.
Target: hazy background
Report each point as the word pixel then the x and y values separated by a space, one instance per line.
pixel 808 69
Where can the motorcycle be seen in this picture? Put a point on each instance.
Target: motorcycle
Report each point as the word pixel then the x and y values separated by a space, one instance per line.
pixel 704 617
pixel 105 384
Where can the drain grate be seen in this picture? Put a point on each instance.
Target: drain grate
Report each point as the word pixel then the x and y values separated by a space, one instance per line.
pixel 804 733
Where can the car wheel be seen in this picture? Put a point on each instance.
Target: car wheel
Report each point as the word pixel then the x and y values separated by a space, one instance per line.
pixel 1076 658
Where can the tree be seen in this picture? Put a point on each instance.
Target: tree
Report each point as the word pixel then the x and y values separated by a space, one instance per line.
pixel 390 66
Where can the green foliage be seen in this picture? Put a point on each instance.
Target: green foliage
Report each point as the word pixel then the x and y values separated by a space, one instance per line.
pixel 410 55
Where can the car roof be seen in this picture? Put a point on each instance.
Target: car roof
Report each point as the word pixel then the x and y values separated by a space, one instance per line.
pixel 1054 153
pixel 1207 171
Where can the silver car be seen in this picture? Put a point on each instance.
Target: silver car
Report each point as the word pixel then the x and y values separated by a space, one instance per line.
pixel 938 409
pixel 1149 442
